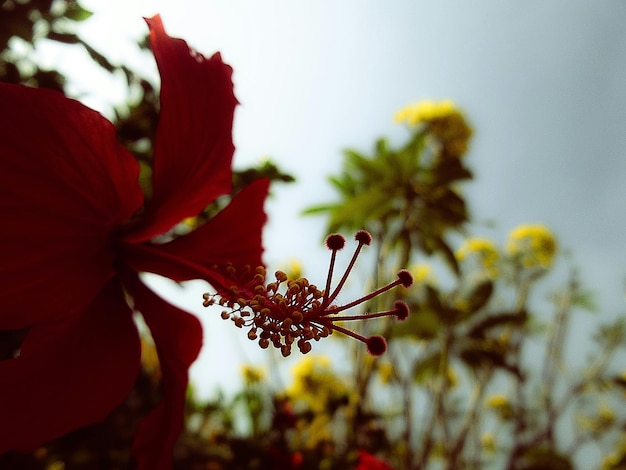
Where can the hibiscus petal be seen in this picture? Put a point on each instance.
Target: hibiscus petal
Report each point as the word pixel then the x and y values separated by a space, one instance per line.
pixel 65 183
pixel 70 373
pixel 193 147
pixel 178 339
pixel 234 236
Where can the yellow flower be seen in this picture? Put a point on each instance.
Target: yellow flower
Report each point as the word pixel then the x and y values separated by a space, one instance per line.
pixel 386 372
pixel 606 415
pixel 191 222
pixel 611 461
pixel 488 441
pixel 293 269
pixel 443 119
pixel 601 422
pixel 150 359
pixel 316 384
pixel 533 245
pixel 425 111
pixel 251 374
pixel 497 400
pixel 501 405
pixel 452 377
pixel 422 274
pixel 484 251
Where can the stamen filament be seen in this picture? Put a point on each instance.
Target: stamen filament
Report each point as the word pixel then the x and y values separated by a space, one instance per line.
pixel 333 256
pixel 347 332
pixel 365 298
pixel 345 275
pixel 366 316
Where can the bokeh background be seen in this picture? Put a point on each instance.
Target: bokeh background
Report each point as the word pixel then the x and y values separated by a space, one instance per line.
pixel 542 83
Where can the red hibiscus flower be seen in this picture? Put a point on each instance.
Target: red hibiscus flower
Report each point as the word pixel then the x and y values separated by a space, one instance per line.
pixel 75 234
pixel 368 461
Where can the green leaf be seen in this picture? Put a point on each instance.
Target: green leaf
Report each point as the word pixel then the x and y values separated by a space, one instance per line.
pixel 481 328
pixel 98 58
pixel 444 249
pixel 75 12
pixel 9 72
pixel 541 458
pixel 433 300
pixel 585 300
pixel 450 171
pixel 421 324
pixel 479 296
pixel 477 354
pixel 66 38
pixel 356 212
pixel 427 367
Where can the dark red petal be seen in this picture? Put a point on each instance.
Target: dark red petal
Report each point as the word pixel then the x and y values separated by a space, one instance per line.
pixel 233 236
pixel 178 339
pixel 194 147
pixel 70 373
pixel 368 461
pixel 65 184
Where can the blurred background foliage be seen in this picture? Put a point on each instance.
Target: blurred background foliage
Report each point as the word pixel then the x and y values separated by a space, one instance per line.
pixel 477 377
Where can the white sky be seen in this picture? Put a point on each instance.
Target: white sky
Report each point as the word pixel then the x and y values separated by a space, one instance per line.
pixel 543 83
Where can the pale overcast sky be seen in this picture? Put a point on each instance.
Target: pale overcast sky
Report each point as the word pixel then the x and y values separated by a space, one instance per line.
pixel 542 81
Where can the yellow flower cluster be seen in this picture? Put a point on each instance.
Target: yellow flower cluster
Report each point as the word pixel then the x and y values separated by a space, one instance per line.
pixel 316 388
pixel 602 421
pixel 386 372
pixel 533 245
pixel 497 400
pixel 614 460
pixel 425 111
pixel 252 375
pixel 484 251
pixel 422 274
pixel 293 269
pixel 501 405
pixel 488 442
pixel 315 383
pixel 443 119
